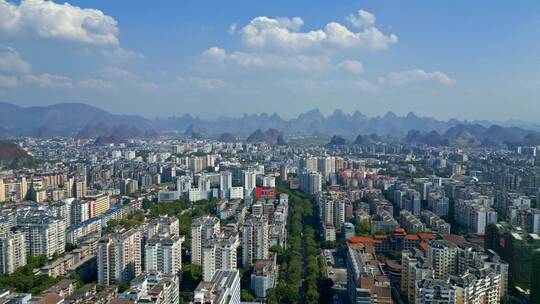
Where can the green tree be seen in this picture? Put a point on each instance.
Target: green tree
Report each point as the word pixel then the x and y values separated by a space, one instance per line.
pixel 247 296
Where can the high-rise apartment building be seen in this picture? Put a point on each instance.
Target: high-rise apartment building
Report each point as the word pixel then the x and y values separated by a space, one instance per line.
pixel 414 268
pixel 44 235
pixel 442 255
pixel 128 186
pixel 225 183
pixel 79 188
pixel 310 182
pixel 152 287
pixel 101 202
pixel 219 253
pixel 366 280
pixel 255 240
pixel 326 165
pixel 224 288
pixel 2 190
pixel 309 163
pixel 163 225
pixel 202 229
pixel 12 252
pixel 249 182
pixel 164 254
pixel 430 291
pixel 119 257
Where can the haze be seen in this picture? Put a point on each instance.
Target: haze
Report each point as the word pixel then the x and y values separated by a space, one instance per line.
pixel 453 59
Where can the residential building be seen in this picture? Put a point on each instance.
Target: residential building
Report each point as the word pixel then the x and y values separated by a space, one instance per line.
pixel 12 252
pixel 224 288
pixel 119 257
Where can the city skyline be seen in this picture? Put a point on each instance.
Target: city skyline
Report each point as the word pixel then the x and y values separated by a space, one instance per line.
pixel 445 60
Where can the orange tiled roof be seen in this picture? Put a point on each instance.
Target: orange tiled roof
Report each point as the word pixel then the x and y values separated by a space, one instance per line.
pixel 362 240
pixel 426 236
pixel 412 237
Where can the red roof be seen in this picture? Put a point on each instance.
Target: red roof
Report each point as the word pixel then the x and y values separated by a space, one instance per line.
pixel 362 240
pixel 426 236
pixel 412 237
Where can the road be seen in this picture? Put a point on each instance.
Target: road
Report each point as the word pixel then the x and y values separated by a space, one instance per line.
pixel 337 272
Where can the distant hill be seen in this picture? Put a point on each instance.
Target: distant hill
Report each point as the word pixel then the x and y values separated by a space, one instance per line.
pixel 195 132
pixel 226 137
pixel 475 135
pixel 84 121
pixel 11 152
pixel 60 119
pixel 121 134
pixel 337 140
pixel 270 136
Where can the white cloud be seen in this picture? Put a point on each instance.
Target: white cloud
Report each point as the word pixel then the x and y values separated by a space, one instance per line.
pixel 362 19
pixel 50 81
pixel 262 60
pixel 232 29
pixel 352 66
pixel 123 77
pixel 416 75
pixel 47 80
pixel 201 83
pixel 8 81
pixel 120 54
pixel 284 34
pixel 98 84
pixel 357 85
pixel 277 33
pixel 48 19
pixel 366 86
pixel 11 62
pixel 115 72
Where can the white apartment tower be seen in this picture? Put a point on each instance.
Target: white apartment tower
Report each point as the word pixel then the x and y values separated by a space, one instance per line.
pixel 164 254
pixel 12 252
pixel 44 235
pixel 202 229
pixel 255 240
pixel 119 257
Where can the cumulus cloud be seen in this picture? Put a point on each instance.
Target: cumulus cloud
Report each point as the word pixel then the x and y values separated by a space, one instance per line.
pixel 48 19
pixel 361 19
pixel 352 66
pixel 11 62
pixel 201 83
pixel 264 60
pixel 285 34
pixel 416 75
pixel 47 80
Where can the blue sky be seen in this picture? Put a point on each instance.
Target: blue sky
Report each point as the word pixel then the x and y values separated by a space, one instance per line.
pixel 462 59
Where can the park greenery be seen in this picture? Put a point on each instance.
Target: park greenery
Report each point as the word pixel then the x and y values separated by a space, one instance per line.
pixel 191 277
pixel 134 219
pixel 301 276
pixel 301 279
pixel 25 280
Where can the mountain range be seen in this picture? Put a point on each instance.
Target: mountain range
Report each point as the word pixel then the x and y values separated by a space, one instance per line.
pixel 85 121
